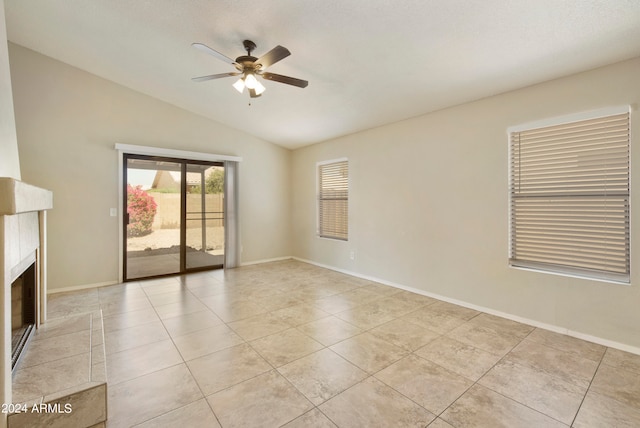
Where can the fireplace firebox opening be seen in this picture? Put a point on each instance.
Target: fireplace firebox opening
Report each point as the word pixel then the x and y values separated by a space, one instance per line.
pixel 23 312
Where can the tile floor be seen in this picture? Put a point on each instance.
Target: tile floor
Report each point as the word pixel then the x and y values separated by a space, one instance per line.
pixel 291 344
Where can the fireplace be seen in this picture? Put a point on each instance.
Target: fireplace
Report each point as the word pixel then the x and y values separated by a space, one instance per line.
pixel 23 312
pixel 23 215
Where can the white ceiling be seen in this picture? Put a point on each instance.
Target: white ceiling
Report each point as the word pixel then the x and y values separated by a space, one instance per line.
pixel 368 62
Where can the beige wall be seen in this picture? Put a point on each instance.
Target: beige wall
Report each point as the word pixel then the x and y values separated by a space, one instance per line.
pixel 429 207
pixel 9 164
pixel 68 122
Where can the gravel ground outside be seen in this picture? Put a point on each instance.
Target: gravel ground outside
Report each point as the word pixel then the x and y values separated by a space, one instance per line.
pixel 167 238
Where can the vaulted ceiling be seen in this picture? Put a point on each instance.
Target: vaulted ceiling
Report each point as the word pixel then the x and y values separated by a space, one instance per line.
pixel 368 62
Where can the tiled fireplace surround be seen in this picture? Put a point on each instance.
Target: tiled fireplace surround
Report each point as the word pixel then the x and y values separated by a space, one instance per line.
pixel 23 213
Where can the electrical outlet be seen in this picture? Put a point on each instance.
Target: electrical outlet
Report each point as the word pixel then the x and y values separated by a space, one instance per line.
pixel 352 255
pixel 113 212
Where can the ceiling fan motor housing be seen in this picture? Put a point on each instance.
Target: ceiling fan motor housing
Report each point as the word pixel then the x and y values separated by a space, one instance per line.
pixel 249 46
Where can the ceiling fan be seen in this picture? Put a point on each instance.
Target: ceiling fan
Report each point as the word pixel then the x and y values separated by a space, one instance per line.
pixel 249 67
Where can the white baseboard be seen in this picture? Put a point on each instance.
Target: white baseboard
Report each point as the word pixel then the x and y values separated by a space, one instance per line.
pixel 257 262
pixel 80 287
pixel 533 323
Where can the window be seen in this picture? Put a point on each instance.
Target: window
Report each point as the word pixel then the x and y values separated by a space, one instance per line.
pixel 569 197
pixel 333 199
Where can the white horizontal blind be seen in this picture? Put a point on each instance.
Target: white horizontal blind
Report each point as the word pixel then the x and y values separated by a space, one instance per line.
pixel 569 188
pixel 333 200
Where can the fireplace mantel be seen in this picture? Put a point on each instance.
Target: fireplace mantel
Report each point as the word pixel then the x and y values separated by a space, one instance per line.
pixel 19 197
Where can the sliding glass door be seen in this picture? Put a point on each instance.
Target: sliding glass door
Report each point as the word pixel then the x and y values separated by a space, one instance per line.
pixel 204 216
pixel 174 216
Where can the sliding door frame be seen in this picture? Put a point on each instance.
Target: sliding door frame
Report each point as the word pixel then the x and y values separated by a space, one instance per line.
pixel 169 155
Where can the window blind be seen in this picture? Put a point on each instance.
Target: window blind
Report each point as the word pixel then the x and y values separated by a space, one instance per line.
pixel 333 200
pixel 569 198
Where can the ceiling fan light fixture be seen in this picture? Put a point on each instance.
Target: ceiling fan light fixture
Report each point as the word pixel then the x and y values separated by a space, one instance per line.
pixel 239 85
pixel 259 88
pixel 250 81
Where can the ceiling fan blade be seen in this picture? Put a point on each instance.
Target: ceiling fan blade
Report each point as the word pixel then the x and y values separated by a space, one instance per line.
pixel 252 93
pixel 207 49
pixel 285 79
pixel 213 76
pixel 274 55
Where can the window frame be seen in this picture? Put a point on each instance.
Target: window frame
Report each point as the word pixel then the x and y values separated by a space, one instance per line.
pixel 319 232
pixel 571 271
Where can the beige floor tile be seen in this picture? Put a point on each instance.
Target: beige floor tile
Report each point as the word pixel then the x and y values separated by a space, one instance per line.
pixel 129 319
pixel 440 423
pixel 123 290
pixel 195 415
pixel 65 310
pixel 267 400
pixel 181 295
pixel 309 294
pixel 161 285
pixel 459 357
pixel 180 308
pixel 189 323
pixel 380 289
pixel 414 297
pixel 203 342
pixel 312 419
pixel 553 396
pixel 50 377
pixel 561 342
pixel 453 310
pixel 398 307
pixel 57 327
pixel 141 360
pixel 322 375
pixel 480 407
pixel 437 321
pixel 127 338
pixel 233 296
pixel 502 326
pixel 330 330
pixel 598 411
pixel 368 352
pixel 237 310
pixel 55 348
pixel 258 326
pixel 428 384
pixel 565 365
pixel 623 360
pixel 200 279
pixel 81 297
pixel 371 403
pixel 202 291
pixel 367 316
pixel 619 384
pixel 120 306
pixel 404 334
pixel 484 338
pixel 336 287
pixel 88 408
pixel 300 314
pixel 274 302
pixel 285 346
pixel 225 368
pixel 361 295
pixel 336 303
pixel 136 295
pixel 151 395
